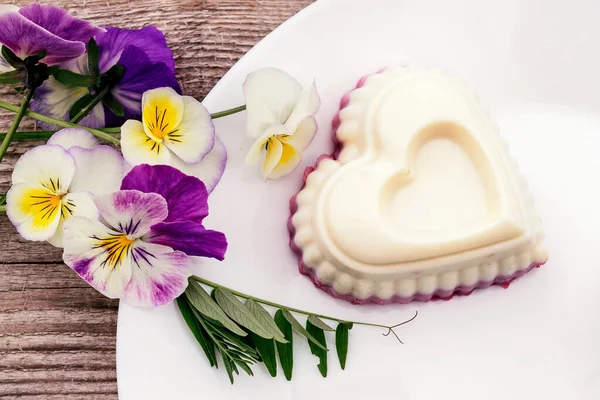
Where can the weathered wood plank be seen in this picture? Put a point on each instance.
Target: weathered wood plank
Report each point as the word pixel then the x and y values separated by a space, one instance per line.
pixel 57 335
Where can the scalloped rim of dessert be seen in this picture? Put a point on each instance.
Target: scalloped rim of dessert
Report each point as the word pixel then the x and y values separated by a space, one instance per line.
pixel 440 285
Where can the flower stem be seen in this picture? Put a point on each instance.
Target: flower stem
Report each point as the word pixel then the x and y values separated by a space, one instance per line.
pixel 228 112
pixel 296 310
pixel 2 208
pixel 65 124
pixel 41 135
pixel 15 125
pixel 87 109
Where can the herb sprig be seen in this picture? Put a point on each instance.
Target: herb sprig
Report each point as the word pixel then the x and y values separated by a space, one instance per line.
pixel 245 333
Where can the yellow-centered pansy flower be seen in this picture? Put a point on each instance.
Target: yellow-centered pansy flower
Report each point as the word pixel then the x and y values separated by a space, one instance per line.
pixel 54 182
pixel 178 131
pixel 280 116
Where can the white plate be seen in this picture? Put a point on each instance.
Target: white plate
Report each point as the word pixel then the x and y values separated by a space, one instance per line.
pixel 535 65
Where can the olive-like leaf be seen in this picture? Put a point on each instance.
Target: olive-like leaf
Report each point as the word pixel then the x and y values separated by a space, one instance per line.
pixel 79 105
pixel 11 58
pixel 285 350
pixel 237 311
pixel 229 367
pixel 300 329
pixel 202 302
pixel 199 332
pixel 319 323
pixel 265 319
pixel 266 349
pixel 341 342
pixel 70 78
pixel 13 77
pixel 113 105
pixel 318 334
pixel 92 51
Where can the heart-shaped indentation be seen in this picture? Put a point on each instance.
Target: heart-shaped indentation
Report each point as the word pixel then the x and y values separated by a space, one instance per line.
pixel 428 179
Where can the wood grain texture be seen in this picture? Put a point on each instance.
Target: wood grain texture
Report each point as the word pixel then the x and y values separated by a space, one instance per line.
pixel 57 335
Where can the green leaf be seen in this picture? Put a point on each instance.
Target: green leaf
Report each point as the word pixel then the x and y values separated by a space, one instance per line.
pixel 113 75
pixel 3 199
pixel 11 77
pixel 285 350
pixel 70 78
pixel 341 342
pixel 265 319
pixel 237 311
pixel 235 340
pixel 244 366
pixel 300 329
pixel 266 349
pixel 79 105
pixel 207 307
pixel 11 58
pixel 318 334
pixel 319 324
pixel 229 367
pixel 113 105
pixel 92 50
pixel 199 333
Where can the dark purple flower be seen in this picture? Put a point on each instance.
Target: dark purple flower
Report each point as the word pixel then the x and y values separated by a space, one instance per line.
pixel 35 28
pixel 148 64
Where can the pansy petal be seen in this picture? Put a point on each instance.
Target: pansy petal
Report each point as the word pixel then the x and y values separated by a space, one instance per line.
pixel 148 39
pixel 70 137
pixel 274 151
pixel 99 170
pixel 74 205
pixel 210 169
pixel 138 148
pixel 34 210
pixel 159 275
pixel 271 95
pixel 304 134
pixel 131 211
pixel 191 238
pixel 98 255
pixel 136 81
pixel 50 166
pixel 162 111
pixel 256 153
pixel 186 196
pixel 195 135
pixel 289 160
pixel 307 106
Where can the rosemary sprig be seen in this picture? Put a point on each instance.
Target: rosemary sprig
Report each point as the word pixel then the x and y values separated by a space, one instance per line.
pixel 245 333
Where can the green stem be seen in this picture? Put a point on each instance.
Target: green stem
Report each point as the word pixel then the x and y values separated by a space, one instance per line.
pixel 87 109
pixel 2 208
pixel 58 122
pixel 228 112
pixel 15 125
pixel 40 135
pixel 296 310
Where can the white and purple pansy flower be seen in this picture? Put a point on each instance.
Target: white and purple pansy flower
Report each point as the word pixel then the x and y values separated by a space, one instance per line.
pixel 178 131
pixel 140 249
pixel 57 181
pixel 148 63
pixel 35 28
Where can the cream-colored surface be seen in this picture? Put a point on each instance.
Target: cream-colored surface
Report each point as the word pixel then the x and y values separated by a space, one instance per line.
pixel 423 196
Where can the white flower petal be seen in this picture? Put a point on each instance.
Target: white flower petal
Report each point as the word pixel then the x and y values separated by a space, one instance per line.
pixel 271 95
pixel 138 148
pixel 308 104
pixel 210 169
pixel 99 170
pixel 98 254
pixel 74 205
pixel 131 211
pixel 273 155
pixel 304 134
pixel 55 99
pixel 162 111
pixel 70 137
pixel 195 135
pixel 257 151
pixel 48 165
pixel 159 275
pixel 34 210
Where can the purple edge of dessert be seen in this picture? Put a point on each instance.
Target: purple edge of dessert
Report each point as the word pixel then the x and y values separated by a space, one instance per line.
pixel 439 294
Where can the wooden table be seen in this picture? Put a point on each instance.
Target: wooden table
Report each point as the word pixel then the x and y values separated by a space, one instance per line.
pixel 57 334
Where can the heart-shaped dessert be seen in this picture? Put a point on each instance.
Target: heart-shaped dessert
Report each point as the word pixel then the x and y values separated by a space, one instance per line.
pixel 420 199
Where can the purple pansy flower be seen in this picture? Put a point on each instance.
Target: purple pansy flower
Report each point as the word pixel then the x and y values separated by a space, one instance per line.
pixel 140 251
pixel 148 64
pixel 36 28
